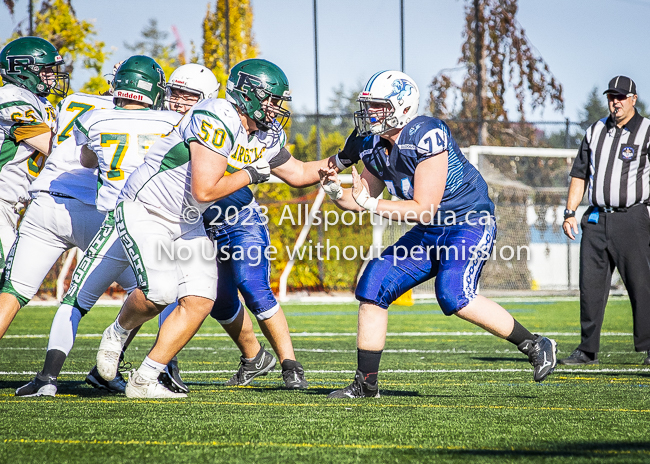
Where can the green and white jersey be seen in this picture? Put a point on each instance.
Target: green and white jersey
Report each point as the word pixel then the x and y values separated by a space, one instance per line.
pixel 63 173
pixel 21 114
pixel 120 138
pixel 163 182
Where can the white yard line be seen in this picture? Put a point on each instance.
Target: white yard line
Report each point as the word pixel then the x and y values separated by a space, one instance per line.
pixel 352 334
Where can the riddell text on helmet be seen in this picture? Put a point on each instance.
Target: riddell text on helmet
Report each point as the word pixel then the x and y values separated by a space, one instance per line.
pixel 128 95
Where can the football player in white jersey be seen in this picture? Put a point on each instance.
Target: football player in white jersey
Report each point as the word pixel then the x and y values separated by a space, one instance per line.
pixel 115 141
pixel 29 67
pixel 62 215
pixel 186 87
pixel 159 212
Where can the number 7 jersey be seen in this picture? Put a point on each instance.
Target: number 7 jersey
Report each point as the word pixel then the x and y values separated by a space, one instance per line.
pixel 120 138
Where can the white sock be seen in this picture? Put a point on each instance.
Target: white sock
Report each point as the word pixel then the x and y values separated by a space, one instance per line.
pixel 150 369
pixel 64 328
pixel 121 331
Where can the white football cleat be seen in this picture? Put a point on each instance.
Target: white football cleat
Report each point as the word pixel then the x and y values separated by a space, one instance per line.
pixel 139 387
pixel 108 356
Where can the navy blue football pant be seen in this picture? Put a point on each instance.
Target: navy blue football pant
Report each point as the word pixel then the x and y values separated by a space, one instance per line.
pixel 243 266
pixel 454 255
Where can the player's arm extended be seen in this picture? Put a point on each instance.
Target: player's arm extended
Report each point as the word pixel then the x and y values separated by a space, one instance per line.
pixel 209 182
pixel 297 173
pixel 429 184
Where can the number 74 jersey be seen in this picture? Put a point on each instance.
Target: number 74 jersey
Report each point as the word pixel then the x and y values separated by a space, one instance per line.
pixel 120 138
pixel 466 193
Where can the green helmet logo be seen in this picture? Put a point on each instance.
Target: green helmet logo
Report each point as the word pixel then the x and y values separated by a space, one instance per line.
pixel 33 64
pixel 258 88
pixel 140 79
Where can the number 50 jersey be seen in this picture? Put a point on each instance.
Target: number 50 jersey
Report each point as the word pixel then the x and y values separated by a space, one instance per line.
pixel 163 182
pixel 120 138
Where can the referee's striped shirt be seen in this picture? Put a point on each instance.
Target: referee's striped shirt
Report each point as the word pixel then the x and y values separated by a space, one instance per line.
pixel 615 162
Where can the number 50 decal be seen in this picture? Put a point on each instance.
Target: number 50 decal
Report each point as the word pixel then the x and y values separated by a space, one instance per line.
pixel 218 138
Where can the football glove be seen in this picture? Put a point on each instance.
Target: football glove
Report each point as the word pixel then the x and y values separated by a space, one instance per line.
pixel 259 171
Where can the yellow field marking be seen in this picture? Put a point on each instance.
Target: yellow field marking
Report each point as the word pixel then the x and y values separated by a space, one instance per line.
pixel 222 444
pixel 332 404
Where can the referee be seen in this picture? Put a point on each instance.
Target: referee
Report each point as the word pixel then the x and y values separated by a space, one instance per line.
pixel 612 166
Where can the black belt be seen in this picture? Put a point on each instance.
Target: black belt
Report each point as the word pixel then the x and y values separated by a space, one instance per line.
pixel 57 194
pixel 612 209
pixel 616 209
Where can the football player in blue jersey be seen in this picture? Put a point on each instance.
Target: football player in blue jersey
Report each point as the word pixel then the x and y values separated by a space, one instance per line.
pixel 417 160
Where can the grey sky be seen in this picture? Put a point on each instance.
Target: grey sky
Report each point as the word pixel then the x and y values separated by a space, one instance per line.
pixel 585 42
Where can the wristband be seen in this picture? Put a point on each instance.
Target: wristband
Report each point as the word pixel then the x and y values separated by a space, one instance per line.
pixel 339 165
pixel 366 201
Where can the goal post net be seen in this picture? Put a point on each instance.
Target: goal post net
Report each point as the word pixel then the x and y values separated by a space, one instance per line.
pixel 531 255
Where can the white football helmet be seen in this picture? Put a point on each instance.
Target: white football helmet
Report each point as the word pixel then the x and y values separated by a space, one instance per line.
pixel 193 78
pixel 399 96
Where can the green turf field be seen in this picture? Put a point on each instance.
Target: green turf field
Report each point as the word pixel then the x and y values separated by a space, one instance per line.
pixel 450 393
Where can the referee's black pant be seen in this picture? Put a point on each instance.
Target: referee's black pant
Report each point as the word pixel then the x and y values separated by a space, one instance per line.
pixel 621 240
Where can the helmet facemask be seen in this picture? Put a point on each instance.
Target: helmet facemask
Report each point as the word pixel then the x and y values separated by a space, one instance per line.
pixel 262 106
pixel 60 80
pixel 188 98
pixel 375 116
pixel 269 109
pixel 258 88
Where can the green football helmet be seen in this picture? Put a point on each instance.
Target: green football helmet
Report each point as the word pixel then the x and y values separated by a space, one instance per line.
pixel 251 83
pixel 23 60
pixel 140 79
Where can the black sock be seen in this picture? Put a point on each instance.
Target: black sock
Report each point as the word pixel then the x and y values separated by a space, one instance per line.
pixel 368 364
pixel 519 334
pixel 54 360
pixel 290 364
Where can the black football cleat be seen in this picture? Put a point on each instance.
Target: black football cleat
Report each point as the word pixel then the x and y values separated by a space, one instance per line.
pixel 41 385
pixel 171 378
pixel 262 364
pixel 293 375
pixel 542 355
pixel 357 389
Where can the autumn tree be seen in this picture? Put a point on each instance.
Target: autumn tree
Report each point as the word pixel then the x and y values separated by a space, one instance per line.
pixel 496 56
pixel 507 60
pixel 57 22
pixel 10 6
pixel 228 37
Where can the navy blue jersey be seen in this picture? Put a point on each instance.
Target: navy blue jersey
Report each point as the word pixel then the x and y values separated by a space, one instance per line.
pixel 466 193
